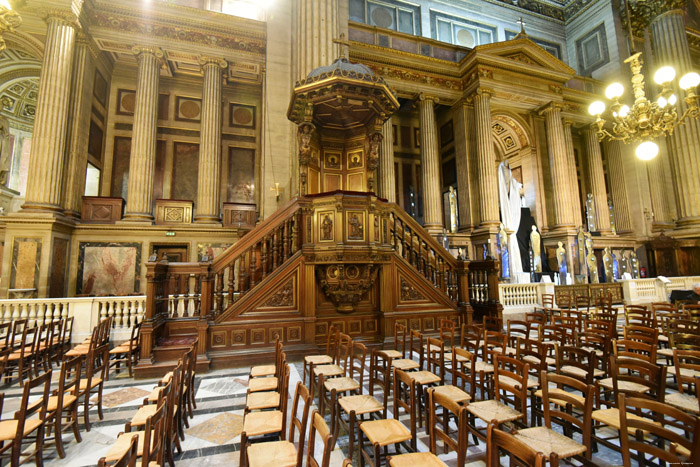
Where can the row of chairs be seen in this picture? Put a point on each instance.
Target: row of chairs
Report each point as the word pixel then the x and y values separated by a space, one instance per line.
pixel 27 350
pixel 160 422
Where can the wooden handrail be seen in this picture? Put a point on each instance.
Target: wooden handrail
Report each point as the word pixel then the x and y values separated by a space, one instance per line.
pixel 416 227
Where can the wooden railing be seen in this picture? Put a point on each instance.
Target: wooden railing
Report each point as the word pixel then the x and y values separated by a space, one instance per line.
pixel 483 287
pixel 424 253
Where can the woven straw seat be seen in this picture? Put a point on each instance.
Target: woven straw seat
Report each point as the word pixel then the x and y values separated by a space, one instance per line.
pixel 263 400
pixel 424 377
pixel 262 423
pixel 536 361
pixel 611 417
pixel 93 383
pixel 341 384
pixel 460 358
pixel 580 372
pixel 598 352
pixel 553 392
pixel 361 404
pixel 454 393
pixel 665 352
pixel 431 348
pixel 318 359
pixel 262 370
pixel 483 366
pixel 626 386
pixel 663 338
pixel 145 411
pixel 262 384
pixel 684 402
pixel 122 445
pixel 328 370
pixel 415 459
pixel 405 364
pixel 532 382
pixel 687 372
pixel 8 428
pixel 494 410
pixel 511 351
pixel 390 353
pixel 544 440
pixel 272 454
pixel 385 432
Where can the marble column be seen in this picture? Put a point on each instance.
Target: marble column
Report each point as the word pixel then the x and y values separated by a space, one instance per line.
pixel 618 186
pixel 463 123
pixel 430 165
pixel 316 23
pixel 596 178
pixel 79 127
pixel 208 179
pixel 142 161
pixel 387 177
pixel 656 172
pixel 486 163
pixel 670 45
pixel 47 154
pixel 575 195
pixel 558 166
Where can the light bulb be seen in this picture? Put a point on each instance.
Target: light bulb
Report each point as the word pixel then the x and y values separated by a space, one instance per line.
pixel 665 74
pixel 5 4
pixel 662 102
pixel 673 99
pixel 596 108
pixel 647 150
pixel 689 80
pixel 624 111
pixel 614 91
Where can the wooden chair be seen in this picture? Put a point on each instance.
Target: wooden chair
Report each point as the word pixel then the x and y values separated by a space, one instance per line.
pixel 63 404
pixel 5 335
pixel 330 390
pixel 544 438
pixel 128 459
pixel 271 383
pixel 648 435
pixel 626 348
pixel 284 452
pixel 22 358
pixel 318 425
pixel 261 371
pixel 405 398
pixel 17 338
pixel 151 441
pixel 335 369
pixel 189 388
pixel 451 410
pixel 578 363
pixel 42 353
pixel 127 352
pixel 510 376
pixel 381 434
pixel 413 459
pixel 516 329
pixel 97 362
pixel 534 353
pixel 448 331
pixel 492 323
pixel 522 453
pixel 30 418
pixel 329 357
pixel 686 369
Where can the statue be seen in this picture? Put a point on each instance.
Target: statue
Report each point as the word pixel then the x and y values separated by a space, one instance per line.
pixel 634 264
pixel 581 241
pixel 453 210
pixel 608 265
pixel 591 260
pixel 327 228
pixel 356 229
pixel 624 262
pixel 509 190
pixel 561 261
pixel 5 150
pixel 611 211
pixel 590 213
pixel 503 250
pixel 536 251
pixel 304 138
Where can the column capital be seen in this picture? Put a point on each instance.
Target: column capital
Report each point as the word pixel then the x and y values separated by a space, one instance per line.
pixel 59 14
pixel 550 107
pixel 484 91
pixel 643 13
pixel 140 51
pixel 205 60
pixel 427 97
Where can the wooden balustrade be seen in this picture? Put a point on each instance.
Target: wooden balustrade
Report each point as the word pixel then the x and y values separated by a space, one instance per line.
pixel 483 288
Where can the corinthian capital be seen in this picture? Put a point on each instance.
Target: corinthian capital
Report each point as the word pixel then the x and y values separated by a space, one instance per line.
pixel 59 14
pixel 549 108
pixel 643 12
pixel 427 97
pixel 217 61
pixel 141 51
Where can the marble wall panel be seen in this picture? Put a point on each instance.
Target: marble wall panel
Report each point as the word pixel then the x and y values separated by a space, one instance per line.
pixel 185 164
pixel 212 250
pixel 120 167
pixel 26 260
pixel 59 263
pixel 108 268
pixel 241 175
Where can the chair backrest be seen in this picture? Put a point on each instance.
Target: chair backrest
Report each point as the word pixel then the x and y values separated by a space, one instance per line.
pixel 577 357
pixel 517 329
pixel 470 338
pixel 69 381
pixel 633 370
pixel 128 459
pixel 343 352
pixel 5 334
pixel 284 390
pixel 332 341
pixel 301 395
pixel 536 351
pixel 405 398
pixel 564 301
pixel 564 407
pixel 57 330
pixel 583 302
pixel 497 440
pixel 18 327
pixel 30 337
pixel 626 348
pixel 464 369
pixel 154 436
pixel 400 339
pixel 436 399
pixel 97 363
pixel 663 307
pixel 492 323
pixel 656 416
pixel 693 311
pixel 639 315
pixel 416 343
pixel 685 340
pixel 358 358
pixel 517 371
pixel 318 425
pixel 687 367
pixel 648 335
pixel 448 330
pixel 67 330
pixel 436 357
pixel 547 300
pixel 37 407
pixel 493 340
pixel 135 341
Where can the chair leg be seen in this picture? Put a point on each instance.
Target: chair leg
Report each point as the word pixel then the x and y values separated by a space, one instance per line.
pixel 74 420
pixel 39 455
pixel 58 432
pixel 99 401
pixel 86 410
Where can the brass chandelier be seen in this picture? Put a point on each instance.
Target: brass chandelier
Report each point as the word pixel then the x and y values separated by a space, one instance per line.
pixel 646 120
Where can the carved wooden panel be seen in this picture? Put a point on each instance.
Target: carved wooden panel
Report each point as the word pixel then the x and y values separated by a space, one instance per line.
pixel 238 337
pixel 101 210
pixel 257 336
pixel 218 339
pixel 322 329
pixel 294 334
pixel 239 215
pixel 275 333
pixel 173 211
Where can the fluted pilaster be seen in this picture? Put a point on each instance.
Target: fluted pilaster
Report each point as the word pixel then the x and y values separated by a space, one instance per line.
pixel 142 161
pixel 430 166
pixel 575 195
pixel 558 166
pixel 47 155
pixel 387 177
pixel 596 178
pixel 463 124
pixel 670 45
pixel 659 200
pixel 618 186
pixel 78 127
pixel 208 179
pixel 316 23
pixel 488 181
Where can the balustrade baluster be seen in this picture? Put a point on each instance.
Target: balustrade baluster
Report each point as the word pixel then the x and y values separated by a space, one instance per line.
pixel 104 310
pixel 419 255
pixel 295 232
pixel 285 237
pixel 275 250
pixel 233 283
pixel 253 267
pixel 242 274
pixel 198 295
pixel 263 258
pixel 219 290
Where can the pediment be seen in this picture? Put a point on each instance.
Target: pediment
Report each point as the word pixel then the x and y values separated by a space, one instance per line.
pixel 523 51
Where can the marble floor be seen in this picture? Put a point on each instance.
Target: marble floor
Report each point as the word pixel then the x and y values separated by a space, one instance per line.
pixel 214 433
